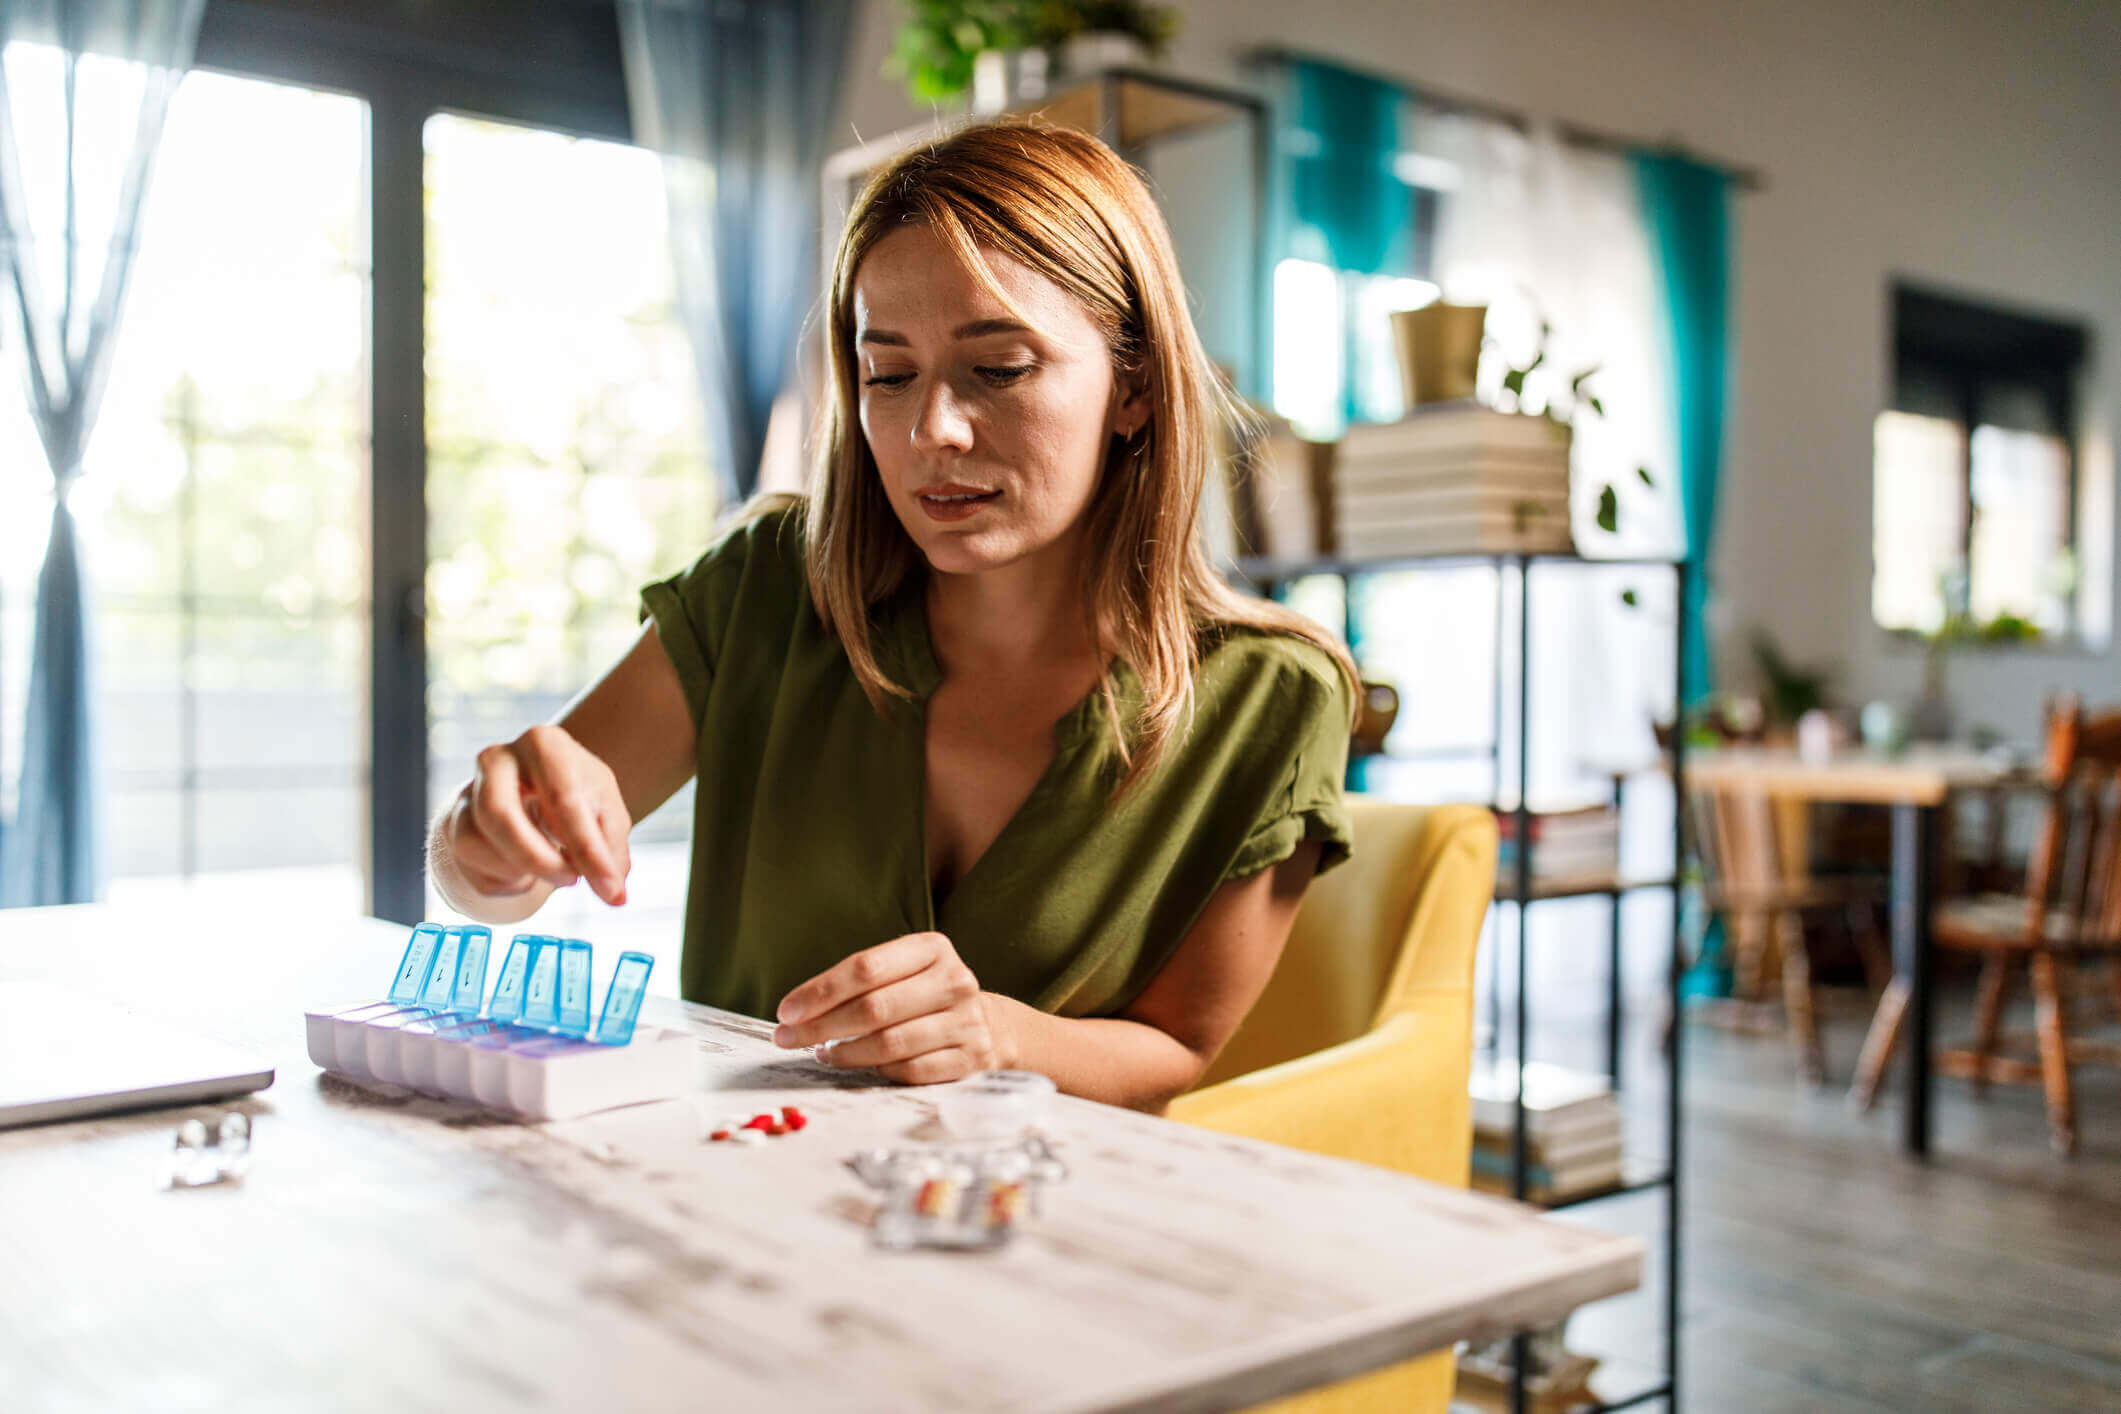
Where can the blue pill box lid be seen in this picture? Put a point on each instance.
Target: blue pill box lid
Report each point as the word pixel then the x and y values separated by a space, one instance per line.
pixel 622 1000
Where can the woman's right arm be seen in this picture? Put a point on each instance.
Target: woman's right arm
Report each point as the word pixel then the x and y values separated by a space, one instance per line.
pixel 558 802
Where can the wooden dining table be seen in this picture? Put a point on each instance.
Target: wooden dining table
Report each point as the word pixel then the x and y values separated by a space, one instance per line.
pixel 387 1249
pixel 1917 785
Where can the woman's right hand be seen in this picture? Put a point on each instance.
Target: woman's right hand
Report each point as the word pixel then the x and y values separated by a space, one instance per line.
pixel 542 809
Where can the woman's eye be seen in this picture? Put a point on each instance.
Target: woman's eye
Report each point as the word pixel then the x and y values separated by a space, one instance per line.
pixel 1002 375
pixel 888 380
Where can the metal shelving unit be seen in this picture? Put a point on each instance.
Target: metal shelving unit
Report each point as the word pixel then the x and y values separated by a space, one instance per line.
pixel 1517 887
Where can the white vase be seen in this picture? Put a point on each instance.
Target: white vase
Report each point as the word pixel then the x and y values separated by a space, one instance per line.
pixel 1087 55
pixel 1007 78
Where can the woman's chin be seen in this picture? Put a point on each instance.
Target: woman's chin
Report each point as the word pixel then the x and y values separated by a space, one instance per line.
pixel 963 553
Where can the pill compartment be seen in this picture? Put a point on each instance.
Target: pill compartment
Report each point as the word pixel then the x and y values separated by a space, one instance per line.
pixel 386 1050
pixel 558 1078
pixel 452 1056
pixel 350 1036
pixel 322 1032
pixel 419 1049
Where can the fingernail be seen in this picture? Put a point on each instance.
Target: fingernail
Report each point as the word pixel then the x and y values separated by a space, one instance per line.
pixel 781 1035
pixel 787 1011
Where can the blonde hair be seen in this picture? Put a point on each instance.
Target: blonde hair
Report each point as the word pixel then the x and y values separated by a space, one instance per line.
pixel 1065 205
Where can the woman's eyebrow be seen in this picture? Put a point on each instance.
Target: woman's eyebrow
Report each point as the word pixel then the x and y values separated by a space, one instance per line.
pixel 977 329
pixel 981 328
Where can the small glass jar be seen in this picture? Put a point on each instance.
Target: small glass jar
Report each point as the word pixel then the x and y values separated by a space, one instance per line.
pixel 996 1104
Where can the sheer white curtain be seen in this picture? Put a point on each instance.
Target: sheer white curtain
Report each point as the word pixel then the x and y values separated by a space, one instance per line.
pixel 1539 230
pixel 84 88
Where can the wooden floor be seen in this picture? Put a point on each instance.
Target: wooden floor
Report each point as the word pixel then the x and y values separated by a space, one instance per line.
pixel 1824 1272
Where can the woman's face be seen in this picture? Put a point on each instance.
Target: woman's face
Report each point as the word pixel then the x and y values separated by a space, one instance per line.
pixel 989 435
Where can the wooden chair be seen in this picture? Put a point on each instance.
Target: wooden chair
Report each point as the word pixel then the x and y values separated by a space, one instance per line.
pixel 1754 851
pixel 2070 911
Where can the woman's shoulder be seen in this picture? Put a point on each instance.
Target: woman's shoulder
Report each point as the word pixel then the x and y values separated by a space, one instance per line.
pixel 760 550
pixel 1237 656
pixel 750 581
pixel 768 530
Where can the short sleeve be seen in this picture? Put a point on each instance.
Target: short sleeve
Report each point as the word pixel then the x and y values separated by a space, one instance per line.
pixel 693 610
pixel 1310 805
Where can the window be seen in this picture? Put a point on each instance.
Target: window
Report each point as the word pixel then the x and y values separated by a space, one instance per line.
pixel 1975 494
pixel 1334 357
pixel 223 509
pixel 567 461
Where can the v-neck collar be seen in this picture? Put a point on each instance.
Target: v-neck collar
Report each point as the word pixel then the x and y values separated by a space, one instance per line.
pixel 1083 725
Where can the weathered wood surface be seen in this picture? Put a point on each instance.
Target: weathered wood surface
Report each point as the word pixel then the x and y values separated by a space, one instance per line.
pixel 389 1250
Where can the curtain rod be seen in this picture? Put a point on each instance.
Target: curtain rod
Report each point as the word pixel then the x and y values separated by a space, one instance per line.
pixel 1748 179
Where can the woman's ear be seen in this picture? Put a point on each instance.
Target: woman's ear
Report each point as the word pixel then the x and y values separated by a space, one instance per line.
pixel 1130 409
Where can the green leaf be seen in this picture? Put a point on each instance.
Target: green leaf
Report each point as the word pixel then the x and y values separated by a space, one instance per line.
pixel 1576 383
pixel 1630 598
pixel 1608 510
pixel 1513 381
pixel 1596 406
pixel 1644 473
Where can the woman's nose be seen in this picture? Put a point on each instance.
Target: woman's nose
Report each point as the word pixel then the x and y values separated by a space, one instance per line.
pixel 941 424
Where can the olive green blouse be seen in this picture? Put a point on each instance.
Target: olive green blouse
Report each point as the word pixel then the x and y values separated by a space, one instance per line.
pixel 808 841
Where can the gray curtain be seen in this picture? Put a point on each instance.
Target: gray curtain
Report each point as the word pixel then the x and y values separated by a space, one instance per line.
pixel 84 88
pixel 738 97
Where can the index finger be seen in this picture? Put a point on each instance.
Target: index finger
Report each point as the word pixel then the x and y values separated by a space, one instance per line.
pixel 865 971
pixel 567 801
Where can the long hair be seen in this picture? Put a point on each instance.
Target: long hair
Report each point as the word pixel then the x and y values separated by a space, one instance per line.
pixel 1065 205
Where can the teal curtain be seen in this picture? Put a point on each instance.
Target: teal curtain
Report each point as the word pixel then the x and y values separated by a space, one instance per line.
pixel 1688 209
pixel 1338 134
pixel 1339 137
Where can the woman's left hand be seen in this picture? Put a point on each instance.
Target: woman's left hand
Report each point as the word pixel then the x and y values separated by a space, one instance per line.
pixel 910 1009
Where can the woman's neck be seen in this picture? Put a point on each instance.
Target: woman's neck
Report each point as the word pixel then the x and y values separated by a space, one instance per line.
pixel 1027 613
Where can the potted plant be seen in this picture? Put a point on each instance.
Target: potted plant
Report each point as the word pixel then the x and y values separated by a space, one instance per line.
pixel 939 40
pixel 1563 398
pixel 1089 36
pixel 1790 690
pixel 1932 716
pixel 939 46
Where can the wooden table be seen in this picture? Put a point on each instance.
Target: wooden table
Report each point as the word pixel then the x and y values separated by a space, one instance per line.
pixel 389 1250
pixel 1916 785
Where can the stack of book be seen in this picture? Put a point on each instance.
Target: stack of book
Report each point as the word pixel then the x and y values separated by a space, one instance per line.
pixel 1578 847
pixel 1484 1383
pixel 1452 478
pixel 1556 1383
pixel 1572 1128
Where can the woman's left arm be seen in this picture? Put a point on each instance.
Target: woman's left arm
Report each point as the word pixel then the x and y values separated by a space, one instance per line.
pixel 911 1008
pixel 1162 1044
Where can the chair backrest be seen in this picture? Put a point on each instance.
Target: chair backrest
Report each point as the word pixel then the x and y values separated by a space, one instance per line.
pixel 2074 875
pixel 1751 845
pixel 1401 918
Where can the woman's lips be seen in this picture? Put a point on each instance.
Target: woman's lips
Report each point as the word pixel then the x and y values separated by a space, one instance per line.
pixel 954 502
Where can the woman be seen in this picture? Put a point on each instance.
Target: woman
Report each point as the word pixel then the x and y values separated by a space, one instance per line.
pixel 993 770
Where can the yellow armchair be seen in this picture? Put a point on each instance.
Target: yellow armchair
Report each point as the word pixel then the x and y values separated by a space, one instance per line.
pixel 1361 1045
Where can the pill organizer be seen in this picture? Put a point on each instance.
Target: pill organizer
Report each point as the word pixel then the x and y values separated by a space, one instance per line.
pixel 529 1049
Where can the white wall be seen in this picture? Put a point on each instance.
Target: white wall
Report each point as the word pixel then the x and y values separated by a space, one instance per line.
pixel 1969 145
